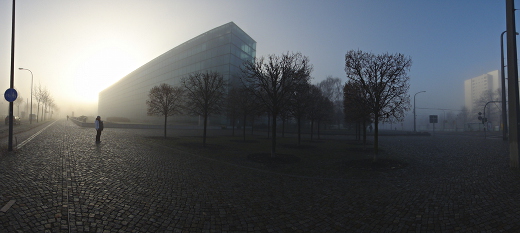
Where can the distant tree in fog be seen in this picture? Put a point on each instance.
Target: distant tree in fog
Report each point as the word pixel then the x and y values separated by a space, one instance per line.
pixel 321 108
pixel 463 116
pixel 165 100
pixel 273 80
pixel 48 101
pixel 19 101
pixel 332 89
pixel 355 108
pixel 493 110
pixel 243 103
pixel 40 95
pixel 205 95
pixel 383 82
pixel 300 102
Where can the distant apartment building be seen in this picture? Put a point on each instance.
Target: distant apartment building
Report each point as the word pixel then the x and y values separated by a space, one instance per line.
pixel 483 87
pixel 222 49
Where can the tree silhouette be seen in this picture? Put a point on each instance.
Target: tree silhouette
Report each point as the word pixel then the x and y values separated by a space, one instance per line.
pixel 383 82
pixel 272 81
pixel 205 94
pixel 332 89
pixel 243 103
pixel 165 100
pixel 301 101
pixel 321 108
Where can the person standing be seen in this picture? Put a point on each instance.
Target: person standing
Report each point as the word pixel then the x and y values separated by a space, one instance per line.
pixel 99 128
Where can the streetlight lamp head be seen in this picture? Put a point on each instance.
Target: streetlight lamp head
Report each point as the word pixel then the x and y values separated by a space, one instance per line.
pixel 20 68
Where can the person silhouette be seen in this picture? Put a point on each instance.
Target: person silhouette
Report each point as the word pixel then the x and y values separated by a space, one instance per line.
pixel 99 127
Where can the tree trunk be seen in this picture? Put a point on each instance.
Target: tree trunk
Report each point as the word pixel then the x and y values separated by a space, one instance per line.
pixel 205 126
pixel 233 126
pixel 319 129
pixel 38 112
pixel 376 136
pixel 165 120
pixel 252 124
pixel 273 144
pixel 357 130
pixel 283 127
pixel 312 128
pixel 364 134
pixel 268 124
pixel 244 128
pixel 299 131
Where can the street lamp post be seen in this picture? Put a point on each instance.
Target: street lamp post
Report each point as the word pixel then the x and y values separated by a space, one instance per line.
pixel 503 80
pixel 414 115
pixel 512 85
pixel 30 116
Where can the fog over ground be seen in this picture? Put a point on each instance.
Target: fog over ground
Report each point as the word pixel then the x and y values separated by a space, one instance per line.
pixel 77 48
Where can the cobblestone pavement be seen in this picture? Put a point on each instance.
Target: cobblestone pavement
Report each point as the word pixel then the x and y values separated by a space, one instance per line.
pixel 61 181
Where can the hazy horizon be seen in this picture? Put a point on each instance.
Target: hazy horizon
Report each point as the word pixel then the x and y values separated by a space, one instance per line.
pixel 76 49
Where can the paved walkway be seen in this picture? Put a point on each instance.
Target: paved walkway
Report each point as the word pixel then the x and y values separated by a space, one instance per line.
pixel 61 181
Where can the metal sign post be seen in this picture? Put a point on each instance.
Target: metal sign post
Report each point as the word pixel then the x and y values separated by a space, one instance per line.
pixel 434 119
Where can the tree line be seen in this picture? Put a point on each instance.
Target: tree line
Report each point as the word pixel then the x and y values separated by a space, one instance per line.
pixel 45 103
pixel 279 86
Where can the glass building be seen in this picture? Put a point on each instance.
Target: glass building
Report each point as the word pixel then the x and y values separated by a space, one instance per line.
pixel 222 49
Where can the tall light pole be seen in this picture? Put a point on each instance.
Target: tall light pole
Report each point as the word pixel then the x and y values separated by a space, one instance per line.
pixel 10 139
pixel 503 80
pixel 414 115
pixel 30 116
pixel 512 83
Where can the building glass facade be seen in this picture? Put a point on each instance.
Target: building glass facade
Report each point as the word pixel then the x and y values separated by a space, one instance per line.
pixel 222 49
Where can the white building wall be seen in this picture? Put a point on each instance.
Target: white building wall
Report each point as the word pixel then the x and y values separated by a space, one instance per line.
pixel 475 87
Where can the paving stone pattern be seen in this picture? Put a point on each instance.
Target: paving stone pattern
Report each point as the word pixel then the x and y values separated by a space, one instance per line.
pixel 62 181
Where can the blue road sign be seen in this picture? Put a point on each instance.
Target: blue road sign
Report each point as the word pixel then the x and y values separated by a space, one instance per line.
pixel 10 95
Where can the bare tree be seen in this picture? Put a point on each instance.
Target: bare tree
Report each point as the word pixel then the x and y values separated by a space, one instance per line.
pixel 18 102
pixel 301 101
pixel 383 82
pixel 45 97
pixel 47 103
pixel 42 97
pixel 320 108
pixel 493 109
pixel 356 109
pixel 463 116
pixel 272 82
pixel 332 89
pixel 205 95
pixel 165 100
pixel 244 104
pixel 52 106
pixel 39 95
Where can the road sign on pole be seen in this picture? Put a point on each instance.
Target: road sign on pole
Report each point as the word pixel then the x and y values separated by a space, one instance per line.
pixel 10 95
pixel 434 119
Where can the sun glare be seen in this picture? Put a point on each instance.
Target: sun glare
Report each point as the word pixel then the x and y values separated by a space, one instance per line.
pixel 98 68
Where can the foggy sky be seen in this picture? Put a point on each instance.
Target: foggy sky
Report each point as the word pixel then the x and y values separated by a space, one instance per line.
pixel 77 48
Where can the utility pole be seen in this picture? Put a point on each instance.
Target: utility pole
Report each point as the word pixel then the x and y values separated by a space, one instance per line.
pixel 512 74
pixel 10 141
pixel 503 84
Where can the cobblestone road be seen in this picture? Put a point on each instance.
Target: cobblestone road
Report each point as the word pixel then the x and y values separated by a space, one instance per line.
pixel 61 181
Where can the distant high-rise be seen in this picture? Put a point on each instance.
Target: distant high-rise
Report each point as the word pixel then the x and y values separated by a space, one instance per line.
pixel 222 49
pixel 484 87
